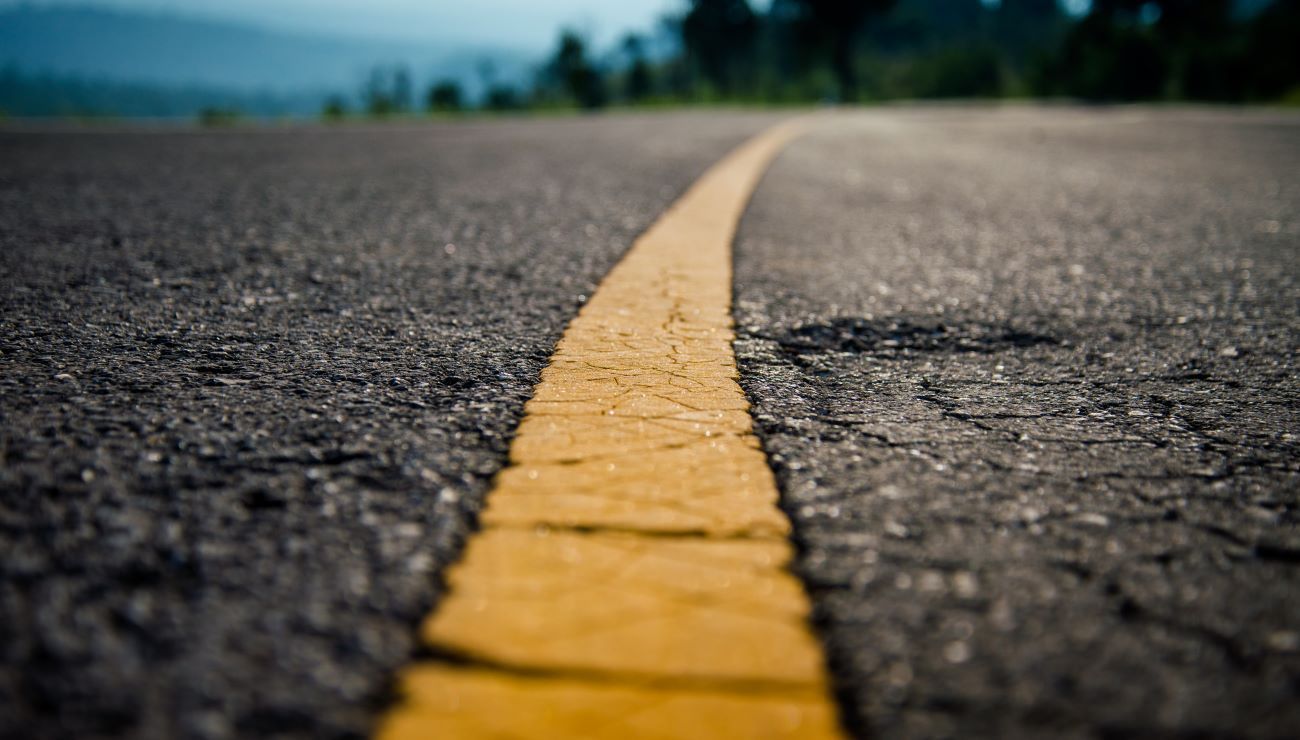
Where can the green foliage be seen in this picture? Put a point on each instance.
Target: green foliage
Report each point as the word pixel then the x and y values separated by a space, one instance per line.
pixel 387 91
pixel 799 51
pixel 402 91
pixel 1106 60
pixel 503 98
pixel 445 97
pixel 571 76
pixel 215 117
pixel 719 37
pixel 956 72
pixel 1176 49
pixel 1273 61
pixel 835 26
pixel 639 80
pixel 335 109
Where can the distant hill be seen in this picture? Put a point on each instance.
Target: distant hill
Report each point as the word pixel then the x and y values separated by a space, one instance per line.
pixel 172 52
pixel 46 96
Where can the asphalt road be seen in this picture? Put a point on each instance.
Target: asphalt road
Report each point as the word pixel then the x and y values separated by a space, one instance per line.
pixel 1027 378
pixel 1029 383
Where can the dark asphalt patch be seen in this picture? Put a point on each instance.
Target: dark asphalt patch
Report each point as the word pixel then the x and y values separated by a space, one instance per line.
pixel 893 337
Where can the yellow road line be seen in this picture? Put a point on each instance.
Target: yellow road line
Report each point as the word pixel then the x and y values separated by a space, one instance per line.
pixel 631 579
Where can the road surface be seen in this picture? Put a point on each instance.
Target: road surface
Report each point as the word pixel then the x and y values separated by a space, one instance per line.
pixel 1026 377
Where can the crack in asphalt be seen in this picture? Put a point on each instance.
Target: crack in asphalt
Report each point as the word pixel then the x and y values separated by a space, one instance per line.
pixel 1063 500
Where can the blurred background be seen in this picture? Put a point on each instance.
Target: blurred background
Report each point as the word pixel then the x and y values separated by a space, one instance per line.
pixel 221 61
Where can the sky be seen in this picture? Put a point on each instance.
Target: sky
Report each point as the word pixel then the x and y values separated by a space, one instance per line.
pixel 522 24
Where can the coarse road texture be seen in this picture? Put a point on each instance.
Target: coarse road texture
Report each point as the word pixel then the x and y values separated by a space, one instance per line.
pixel 255 385
pixel 1026 377
pixel 1029 382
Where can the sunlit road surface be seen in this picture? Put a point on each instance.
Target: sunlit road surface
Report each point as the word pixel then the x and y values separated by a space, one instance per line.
pixel 1026 379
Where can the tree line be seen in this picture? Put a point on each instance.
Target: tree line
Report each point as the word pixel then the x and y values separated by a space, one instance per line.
pixel 800 51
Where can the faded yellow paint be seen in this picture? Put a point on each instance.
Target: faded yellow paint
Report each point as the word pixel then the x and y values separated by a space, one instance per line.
pixel 632 577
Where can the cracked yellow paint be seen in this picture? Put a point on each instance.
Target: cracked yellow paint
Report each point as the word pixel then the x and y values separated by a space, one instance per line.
pixel 710 487
pixel 628 604
pixel 632 577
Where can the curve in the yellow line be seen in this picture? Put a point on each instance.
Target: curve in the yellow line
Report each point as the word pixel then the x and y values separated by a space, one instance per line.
pixel 632 577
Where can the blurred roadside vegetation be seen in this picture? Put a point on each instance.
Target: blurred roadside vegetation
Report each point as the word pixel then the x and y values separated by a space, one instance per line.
pixel 44 95
pixel 797 52
pixel 803 51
